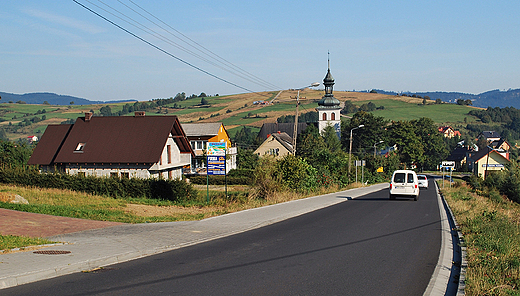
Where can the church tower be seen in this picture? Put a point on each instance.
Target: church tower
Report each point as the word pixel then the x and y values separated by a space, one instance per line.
pixel 328 107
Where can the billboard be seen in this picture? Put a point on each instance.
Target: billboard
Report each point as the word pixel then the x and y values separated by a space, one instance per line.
pixel 216 148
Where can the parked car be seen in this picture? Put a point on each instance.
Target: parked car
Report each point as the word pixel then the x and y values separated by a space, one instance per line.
pixel 404 183
pixel 423 181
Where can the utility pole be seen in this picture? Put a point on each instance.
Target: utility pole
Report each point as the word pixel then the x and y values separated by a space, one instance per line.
pixel 295 134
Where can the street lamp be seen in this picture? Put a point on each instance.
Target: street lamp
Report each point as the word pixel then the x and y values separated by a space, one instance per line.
pixel 350 148
pixel 295 134
pixel 375 147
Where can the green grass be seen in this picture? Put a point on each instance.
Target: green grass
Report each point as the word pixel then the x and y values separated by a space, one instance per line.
pixel 491 230
pixel 8 242
pixel 208 110
pixel 439 113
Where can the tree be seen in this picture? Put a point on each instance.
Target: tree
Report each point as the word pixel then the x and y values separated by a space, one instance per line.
pixel 105 111
pixel 409 145
pixel 179 97
pixel 72 102
pixel 246 159
pixel 296 173
pixel 364 139
pixel 349 107
pixel 435 148
pixel 246 138
pixel 308 142
pixel 203 101
pixel 331 138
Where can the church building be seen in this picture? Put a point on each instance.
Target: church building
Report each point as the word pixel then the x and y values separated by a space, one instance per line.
pixel 329 107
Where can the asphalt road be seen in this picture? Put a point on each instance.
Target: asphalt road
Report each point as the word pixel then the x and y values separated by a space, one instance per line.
pixel 367 246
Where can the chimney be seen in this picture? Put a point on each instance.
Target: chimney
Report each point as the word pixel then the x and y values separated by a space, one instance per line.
pixel 139 113
pixel 88 116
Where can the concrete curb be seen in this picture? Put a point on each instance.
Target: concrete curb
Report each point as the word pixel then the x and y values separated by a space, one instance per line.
pixel 448 278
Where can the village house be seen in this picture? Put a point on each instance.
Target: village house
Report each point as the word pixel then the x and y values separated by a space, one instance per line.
pixel 199 134
pixel 487 161
pixel 115 146
pixel 448 132
pixel 277 144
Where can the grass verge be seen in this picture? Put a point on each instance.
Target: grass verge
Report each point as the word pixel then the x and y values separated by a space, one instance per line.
pixel 93 207
pixel 9 242
pixel 491 228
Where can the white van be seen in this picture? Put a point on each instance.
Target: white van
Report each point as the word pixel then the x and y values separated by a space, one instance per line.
pixel 404 183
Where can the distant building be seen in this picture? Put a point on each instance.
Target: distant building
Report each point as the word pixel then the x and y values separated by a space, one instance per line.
pixel 32 139
pixel 449 132
pixel 278 145
pixel 489 136
pixel 329 107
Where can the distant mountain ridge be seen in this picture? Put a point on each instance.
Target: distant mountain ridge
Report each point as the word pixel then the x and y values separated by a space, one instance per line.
pixel 493 98
pixel 51 98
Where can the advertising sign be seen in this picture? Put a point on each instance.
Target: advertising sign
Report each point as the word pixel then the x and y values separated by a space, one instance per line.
pixel 216 165
pixel 216 148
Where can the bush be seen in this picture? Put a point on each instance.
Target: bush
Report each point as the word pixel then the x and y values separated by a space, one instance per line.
pixel 221 180
pixel 174 190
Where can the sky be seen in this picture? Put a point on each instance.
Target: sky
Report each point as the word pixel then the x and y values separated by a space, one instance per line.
pixel 161 48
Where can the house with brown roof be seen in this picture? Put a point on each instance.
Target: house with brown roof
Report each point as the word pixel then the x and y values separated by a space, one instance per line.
pixel 199 134
pixel 277 144
pixel 117 146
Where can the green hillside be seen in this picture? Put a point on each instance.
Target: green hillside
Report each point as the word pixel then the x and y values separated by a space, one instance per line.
pixel 23 120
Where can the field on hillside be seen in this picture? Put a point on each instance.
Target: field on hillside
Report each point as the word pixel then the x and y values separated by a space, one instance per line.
pixel 234 110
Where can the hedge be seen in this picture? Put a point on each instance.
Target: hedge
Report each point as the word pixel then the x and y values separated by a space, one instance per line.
pixel 174 190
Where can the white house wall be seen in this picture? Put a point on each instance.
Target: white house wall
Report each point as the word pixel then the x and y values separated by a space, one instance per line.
pixel 159 169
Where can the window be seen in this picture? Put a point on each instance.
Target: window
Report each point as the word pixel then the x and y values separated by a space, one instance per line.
pixel 169 153
pixel 333 116
pixel 114 175
pixel 125 175
pixel 81 174
pixel 80 147
pixel 192 144
pixel 399 178
pixel 410 178
pixel 169 175
pixel 199 145
pixel 324 116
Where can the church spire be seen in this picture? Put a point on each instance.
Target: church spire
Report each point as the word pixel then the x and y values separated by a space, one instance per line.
pixel 328 100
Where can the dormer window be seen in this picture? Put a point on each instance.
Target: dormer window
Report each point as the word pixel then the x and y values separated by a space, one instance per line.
pixel 80 147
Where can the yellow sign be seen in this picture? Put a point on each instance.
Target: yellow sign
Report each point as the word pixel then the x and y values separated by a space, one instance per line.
pixel 380 169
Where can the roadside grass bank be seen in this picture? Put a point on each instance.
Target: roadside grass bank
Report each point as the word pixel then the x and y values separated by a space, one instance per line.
pixel 74 204
pixel 10 242
pixel 490 225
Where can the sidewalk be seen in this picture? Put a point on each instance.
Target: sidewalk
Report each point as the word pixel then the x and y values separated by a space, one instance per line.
pixel 94 248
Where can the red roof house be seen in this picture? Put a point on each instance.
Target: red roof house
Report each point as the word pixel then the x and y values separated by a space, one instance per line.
pixel 123 146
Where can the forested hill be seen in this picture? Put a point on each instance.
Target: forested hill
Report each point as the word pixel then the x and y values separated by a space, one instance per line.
pixel 51 98
pixel 493 98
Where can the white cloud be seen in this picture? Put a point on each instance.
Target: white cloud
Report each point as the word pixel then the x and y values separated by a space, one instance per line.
pixel 65 21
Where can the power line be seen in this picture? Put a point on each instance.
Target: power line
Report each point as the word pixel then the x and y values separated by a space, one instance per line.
pixel 206 51
pixel 153 45
pixel 165 39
